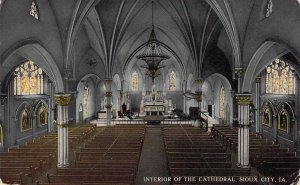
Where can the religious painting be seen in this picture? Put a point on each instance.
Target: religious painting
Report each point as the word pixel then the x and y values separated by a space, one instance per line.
pixel 42 116
pixel 25 120
pixel 266 116
pixel 283 119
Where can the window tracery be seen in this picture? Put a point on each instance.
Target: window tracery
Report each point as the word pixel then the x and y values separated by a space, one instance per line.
pixel 280 78
pixel 29 79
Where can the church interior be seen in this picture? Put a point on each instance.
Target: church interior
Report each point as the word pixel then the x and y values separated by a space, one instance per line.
pixel 133 92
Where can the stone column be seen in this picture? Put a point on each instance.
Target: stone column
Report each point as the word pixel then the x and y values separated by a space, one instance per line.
pixel 108 95
pixel 243 101
pixel 62 101
pixel 199 98
pixel 258 128
pixel 275 127
pixel 297 112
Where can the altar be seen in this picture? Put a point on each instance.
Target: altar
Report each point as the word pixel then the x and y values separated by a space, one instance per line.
pixel 154 110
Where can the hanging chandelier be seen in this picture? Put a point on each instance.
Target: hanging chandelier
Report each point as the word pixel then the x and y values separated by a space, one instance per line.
pixel 152 55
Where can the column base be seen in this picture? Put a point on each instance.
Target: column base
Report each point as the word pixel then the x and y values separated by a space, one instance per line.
pixel 63 165
pixel 242 166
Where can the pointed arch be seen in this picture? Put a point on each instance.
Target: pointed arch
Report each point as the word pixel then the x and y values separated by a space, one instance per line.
pixel 34 51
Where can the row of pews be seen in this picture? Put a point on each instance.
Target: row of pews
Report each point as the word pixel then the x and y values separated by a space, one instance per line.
pixel 193 152
pixel 23 164
pixel 110 158
pixel 269 159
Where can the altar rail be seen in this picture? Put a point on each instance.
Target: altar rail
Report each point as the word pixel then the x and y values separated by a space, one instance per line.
pixel 141 121
pixel 170 121
pixel 130 121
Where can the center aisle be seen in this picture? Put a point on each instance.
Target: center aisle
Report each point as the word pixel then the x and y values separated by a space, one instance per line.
pixel 153 160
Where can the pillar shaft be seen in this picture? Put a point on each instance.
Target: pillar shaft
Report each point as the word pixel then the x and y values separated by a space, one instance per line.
pixel 62 101
pixel 297 121
pixel 243 101
pixel 199 83
pixel 108 95
pixel 258 128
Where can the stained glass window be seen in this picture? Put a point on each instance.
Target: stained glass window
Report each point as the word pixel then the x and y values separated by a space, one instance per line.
pixel 1 135
pixel 34 12
pixel 283 119
pixel 266 117
pixel 251 114
pixel 29 79
pixel 25 119
pixel 222 101
pixel 135 81
pixel 1 3
pixel 86 102
pixel 172 81
pixel 280 78
pixel 269 8
pixel 42 115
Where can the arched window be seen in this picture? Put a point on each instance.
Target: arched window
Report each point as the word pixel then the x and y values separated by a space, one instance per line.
pixel 269 8
pixel 135 81
pixel 280 78
pixel 222 101
pixel 283 119
pixel 86 102
pixel 29 79
pixel 172 81
pixel 1 3
pixel 1 135
pixel 42 115
pixel 25 120
pixel 34 11
pixel 266 117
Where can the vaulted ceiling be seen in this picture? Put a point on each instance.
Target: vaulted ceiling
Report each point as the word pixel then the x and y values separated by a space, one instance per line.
pixel 117 28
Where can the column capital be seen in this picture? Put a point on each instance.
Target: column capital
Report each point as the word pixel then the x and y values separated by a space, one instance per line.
pixel 62 99
pixel 198 96
pixel 239 72
pixel 199 81
pixel 108 93
pixel 108 80
pixel 243 99
pixel 258 79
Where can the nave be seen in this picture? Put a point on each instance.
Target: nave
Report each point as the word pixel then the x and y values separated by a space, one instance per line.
pixel 119 155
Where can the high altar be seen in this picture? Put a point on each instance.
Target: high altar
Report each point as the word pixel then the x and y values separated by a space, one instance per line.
pixel 153 103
